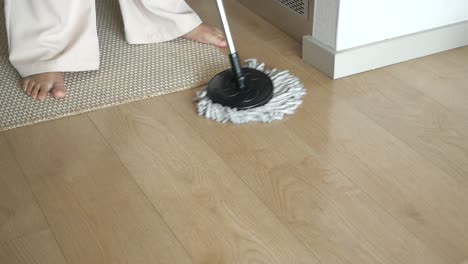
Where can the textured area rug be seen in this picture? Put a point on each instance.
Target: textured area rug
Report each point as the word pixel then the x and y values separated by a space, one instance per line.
pixel 127 73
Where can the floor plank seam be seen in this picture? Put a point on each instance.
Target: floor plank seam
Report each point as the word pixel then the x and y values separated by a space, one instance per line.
pixel 139 186
pixel 443 256
pixel 248 186
pixel 36 201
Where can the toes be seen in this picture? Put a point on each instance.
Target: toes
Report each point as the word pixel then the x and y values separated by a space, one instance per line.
pixel 221 35
pixel 209 35
pixel 30 88
pixel 219 32
pixel 39 85
pixel 222 42
pixel 35 91
pixel 219 41
pixel 24 84
pixel 217 37
pixel 58 91
pixel 42 95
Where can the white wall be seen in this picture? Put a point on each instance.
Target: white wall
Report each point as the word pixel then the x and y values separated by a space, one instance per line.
pixel 344 24
pixel 326 21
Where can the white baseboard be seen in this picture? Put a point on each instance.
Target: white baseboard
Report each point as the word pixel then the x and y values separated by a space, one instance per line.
pixel 338 64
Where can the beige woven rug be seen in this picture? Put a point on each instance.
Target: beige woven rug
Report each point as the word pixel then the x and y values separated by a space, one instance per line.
pixel 128 73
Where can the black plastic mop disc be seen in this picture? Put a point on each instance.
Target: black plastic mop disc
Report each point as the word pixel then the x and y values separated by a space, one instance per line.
pixel 223 89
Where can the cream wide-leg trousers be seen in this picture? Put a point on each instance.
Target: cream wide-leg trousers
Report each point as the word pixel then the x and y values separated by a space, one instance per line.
pixel 60 35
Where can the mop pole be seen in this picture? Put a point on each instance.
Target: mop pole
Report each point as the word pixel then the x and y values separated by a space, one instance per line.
pixel 233 56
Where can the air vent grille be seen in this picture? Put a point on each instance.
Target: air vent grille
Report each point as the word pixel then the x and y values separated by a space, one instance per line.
pixel 298 6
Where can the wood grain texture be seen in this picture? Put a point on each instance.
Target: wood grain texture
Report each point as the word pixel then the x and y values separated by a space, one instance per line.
pixel 444 137
pixel 411 116
pixel 436 148
pixel 95 209
pixel 36 248
pixel 425 148
pixel 19 213
pixel 371 169
pixel 327 212
pixel 421 201
pixel 441 77
pixel 214 215
pixel 25 237
pixel 415 191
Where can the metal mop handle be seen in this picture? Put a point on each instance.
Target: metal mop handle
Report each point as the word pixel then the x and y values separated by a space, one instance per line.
pixel 233 56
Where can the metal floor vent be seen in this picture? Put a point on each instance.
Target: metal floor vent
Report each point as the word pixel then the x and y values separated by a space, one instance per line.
pixel 292 16
pixel 298 6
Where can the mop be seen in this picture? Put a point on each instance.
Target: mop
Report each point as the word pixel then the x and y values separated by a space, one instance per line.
pixel 251 93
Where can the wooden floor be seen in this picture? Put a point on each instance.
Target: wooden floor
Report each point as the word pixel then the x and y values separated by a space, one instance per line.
pixel 372 169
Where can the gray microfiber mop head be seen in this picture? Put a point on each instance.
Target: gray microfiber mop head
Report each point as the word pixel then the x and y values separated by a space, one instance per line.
pixel 287 96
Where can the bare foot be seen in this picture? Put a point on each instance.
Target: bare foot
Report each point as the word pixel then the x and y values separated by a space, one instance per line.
pixel 207 34
pixel 39 85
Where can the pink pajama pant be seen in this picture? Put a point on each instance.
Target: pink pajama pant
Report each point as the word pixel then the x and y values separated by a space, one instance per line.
pixel 60 35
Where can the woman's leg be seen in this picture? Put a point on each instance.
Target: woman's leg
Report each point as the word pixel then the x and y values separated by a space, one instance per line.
pixel 152 21
pixel 49 37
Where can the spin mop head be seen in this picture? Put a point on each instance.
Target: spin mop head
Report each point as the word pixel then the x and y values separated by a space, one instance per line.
pixel 287 96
